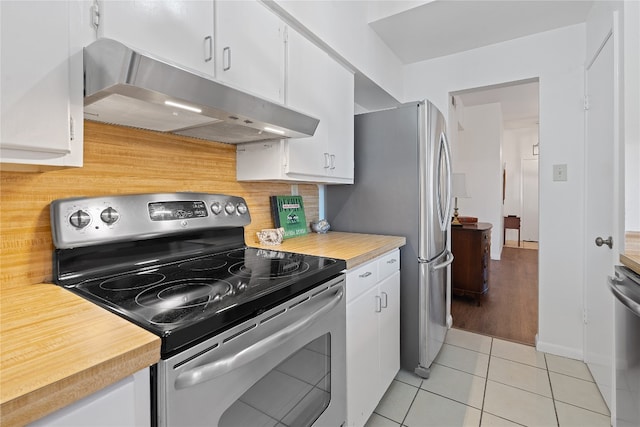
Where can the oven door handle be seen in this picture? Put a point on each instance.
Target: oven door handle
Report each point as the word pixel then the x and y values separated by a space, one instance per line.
pixel 221 367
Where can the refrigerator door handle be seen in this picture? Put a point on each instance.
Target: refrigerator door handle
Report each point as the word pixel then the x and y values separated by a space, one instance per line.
pixel 444 264
pixel 446 214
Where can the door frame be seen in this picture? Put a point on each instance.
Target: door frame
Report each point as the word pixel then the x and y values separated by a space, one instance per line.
pixel 617 232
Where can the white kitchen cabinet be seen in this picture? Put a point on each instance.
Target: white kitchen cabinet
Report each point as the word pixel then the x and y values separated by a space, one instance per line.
pixel 250 48
pixel 41 121
pixel 126 403
pixel 178 31
pixel 321 87
pixel 373 334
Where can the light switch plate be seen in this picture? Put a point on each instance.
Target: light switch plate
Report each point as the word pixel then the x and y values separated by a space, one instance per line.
pixel 560 172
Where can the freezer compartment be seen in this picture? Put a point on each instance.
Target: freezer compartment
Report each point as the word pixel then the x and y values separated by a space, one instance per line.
pixel 433 296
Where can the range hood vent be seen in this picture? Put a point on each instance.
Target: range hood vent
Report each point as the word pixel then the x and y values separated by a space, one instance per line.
pixel 129 88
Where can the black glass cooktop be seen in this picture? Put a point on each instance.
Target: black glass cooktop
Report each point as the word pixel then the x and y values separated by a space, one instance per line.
pixel 189 299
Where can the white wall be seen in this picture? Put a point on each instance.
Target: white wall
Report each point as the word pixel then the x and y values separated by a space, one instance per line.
pixel 478 155
pixel 557 59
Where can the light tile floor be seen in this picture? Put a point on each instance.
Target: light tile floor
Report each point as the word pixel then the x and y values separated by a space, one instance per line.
pixel 483 382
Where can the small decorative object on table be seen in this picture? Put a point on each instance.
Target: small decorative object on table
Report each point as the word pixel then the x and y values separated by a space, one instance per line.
pixel 271 236
pixel 320 226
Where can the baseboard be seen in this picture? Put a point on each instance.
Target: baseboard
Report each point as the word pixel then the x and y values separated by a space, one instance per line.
pixel 559 350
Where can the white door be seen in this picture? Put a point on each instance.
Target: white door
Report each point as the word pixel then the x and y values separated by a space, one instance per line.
pixel 529 226
pixel 599 215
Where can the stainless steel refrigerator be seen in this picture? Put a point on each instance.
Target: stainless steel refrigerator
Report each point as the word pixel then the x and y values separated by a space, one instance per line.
pixel 402 187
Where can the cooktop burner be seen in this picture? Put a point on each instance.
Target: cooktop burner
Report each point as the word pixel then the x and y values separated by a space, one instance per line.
pixel 207 293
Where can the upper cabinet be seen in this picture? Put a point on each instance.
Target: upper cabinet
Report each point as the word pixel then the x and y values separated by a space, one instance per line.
pixel 250 48
pixel 41 83
pixel 317 85
pixel 323 88
pixel 178 31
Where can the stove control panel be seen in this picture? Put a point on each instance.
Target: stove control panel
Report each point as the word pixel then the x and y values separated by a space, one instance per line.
pixel 79 222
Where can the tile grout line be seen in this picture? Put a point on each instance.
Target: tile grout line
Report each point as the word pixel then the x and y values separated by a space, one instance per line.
pixel 553 397
pixel 486 381
pixel 412 402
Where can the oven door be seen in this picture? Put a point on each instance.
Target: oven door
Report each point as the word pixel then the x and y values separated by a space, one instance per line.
pixel 284 367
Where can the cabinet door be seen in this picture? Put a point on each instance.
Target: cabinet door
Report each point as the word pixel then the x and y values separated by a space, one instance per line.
pixel 389 327
pixel 308 90
pixel 321 87
pixel 41 84
pixel 250 48
pixel 362 357
pixel 178 31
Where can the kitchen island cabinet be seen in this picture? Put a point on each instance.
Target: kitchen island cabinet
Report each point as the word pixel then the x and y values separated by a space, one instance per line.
pixel 41 105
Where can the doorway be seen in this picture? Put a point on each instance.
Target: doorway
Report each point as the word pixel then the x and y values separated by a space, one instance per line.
pixel 495 144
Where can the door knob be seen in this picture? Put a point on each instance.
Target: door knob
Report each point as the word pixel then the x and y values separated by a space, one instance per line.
pixel 600 241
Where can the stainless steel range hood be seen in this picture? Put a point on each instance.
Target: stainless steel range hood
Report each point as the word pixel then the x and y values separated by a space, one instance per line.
pixel 129 88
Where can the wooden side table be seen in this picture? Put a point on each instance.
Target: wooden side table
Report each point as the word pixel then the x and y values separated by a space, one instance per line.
pixel 471 248
pixel 511 222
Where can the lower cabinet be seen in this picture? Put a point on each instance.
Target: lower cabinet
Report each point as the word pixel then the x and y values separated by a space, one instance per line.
pixel 126 403
pixel 373 334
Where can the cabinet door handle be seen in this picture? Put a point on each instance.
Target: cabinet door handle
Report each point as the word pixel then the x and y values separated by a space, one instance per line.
pixel 363 275
pixel 378 304
pixel 326 161
pixel 333 161
pixel 226 59
pixel 208 48
pixel 392 261
pixel 384 300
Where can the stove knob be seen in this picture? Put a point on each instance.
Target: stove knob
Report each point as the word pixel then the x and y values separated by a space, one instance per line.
pixel 242 208
pixel 216 208
pixel 80 219
pixel 109 215
pixel 230 208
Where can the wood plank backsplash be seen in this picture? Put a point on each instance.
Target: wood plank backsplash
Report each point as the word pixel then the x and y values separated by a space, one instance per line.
pixel 119 160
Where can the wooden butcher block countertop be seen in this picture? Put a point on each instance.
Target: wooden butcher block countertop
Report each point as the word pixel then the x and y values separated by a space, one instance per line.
pixel 631 255
pixel 57 348
pixel 354 248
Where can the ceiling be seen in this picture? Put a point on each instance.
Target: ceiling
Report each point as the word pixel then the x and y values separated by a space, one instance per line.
pixel 443 27
pixel 421 30
pixel 519 102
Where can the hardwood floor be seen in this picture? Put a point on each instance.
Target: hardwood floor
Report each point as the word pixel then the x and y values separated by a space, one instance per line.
pixel 509 310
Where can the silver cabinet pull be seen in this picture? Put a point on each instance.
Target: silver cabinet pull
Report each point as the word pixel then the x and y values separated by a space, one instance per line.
pixel 326 161
pixel 208 48
pixel 378 304
pixel 384 300
pixel 226 59
pixel 392 261
pixel 600 241
pixel 363 275
pixel 333 161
